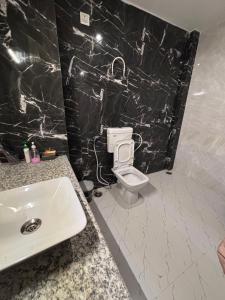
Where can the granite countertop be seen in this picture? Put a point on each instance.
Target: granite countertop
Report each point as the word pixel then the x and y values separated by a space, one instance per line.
pixel 79 268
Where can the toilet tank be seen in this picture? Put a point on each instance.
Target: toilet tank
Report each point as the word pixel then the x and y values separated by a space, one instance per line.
pixel 114 135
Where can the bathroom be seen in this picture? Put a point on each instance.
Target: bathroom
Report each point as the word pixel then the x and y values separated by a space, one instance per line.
pixel 112 149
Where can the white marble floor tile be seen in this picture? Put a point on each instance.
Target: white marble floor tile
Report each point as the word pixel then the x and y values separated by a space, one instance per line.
pixel 203 280
pixel 186 287
pixel 169 238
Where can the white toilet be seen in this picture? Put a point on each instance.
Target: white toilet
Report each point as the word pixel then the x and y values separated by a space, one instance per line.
pixel 120 143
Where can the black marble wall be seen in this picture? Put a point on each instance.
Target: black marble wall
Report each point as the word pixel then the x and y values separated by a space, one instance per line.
pixel 31 98
pixel 146 98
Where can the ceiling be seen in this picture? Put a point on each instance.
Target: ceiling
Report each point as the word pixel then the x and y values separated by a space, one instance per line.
pixel 187 14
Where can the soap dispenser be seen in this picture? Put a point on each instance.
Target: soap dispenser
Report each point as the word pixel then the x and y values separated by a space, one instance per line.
pixel 35 156
pixel 26 152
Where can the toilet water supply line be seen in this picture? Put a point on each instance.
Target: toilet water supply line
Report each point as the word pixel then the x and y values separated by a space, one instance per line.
pixel 99 175
pixel 141 141
pixel 100 180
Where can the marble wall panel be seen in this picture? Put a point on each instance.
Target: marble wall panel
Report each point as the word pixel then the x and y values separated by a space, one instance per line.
pixel 146 98
pixel 31 97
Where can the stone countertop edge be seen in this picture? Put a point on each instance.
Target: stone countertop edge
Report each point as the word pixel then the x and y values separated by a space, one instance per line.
pixel 79 268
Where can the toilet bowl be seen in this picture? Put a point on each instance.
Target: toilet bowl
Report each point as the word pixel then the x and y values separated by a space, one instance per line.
pixel 131 180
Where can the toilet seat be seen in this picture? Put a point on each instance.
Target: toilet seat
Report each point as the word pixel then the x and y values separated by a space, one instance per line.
pixel 124 154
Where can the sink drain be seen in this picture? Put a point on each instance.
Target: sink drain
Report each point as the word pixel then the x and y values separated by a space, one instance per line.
pixel 30 226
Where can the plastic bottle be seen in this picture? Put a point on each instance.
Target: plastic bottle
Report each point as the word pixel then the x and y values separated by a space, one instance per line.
pixel 26 152
pixel 35 156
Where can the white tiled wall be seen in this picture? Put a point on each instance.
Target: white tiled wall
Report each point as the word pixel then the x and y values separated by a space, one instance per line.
pixel 201 151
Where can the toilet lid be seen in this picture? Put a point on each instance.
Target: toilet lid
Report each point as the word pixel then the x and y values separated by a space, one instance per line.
pixel 124 153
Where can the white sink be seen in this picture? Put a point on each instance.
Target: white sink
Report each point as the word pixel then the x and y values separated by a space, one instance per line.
pixel 55 213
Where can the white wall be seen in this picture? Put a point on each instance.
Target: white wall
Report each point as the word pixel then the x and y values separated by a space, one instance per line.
pixel 188 14
pixel 201 151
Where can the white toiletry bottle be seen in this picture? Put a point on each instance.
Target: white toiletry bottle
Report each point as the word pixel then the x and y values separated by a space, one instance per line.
pixel 26 152
pixel 35 156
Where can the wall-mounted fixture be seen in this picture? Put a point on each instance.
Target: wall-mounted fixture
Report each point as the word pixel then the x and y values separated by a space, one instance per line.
pixel 124 65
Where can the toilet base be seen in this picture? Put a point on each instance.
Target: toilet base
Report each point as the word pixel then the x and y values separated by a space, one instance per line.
pixel 128 196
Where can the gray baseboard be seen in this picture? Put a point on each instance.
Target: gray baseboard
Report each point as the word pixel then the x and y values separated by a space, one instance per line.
pixel 130 280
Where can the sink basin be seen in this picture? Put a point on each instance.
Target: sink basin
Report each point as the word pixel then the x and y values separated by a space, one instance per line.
pixel 36 217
